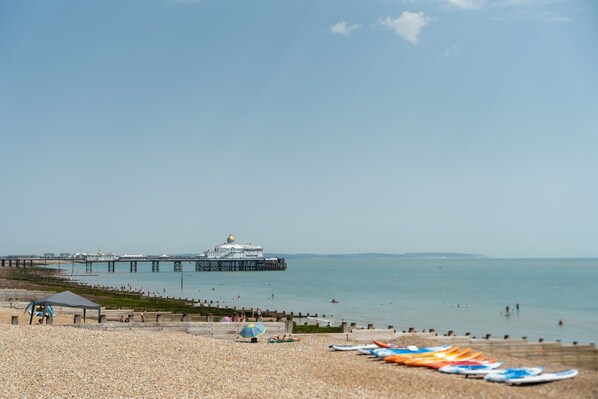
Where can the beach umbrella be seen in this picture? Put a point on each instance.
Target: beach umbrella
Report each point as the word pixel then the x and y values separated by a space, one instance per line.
pixel 252 330
pixel 226 319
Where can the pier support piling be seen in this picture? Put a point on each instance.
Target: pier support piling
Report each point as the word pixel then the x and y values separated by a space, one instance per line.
pixel 155 266
pixel 178 266
pixel 133 266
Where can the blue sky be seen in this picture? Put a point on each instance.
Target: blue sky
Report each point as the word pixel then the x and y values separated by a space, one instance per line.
pixel 334 126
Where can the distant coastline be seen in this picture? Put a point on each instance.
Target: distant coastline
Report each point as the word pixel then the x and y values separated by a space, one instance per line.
pixel 375 255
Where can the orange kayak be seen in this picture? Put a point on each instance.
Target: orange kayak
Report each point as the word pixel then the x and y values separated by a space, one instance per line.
pixel 382 344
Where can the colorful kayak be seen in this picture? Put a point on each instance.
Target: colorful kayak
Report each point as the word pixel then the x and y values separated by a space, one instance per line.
pixel 502 375
pixel 459 356
pixel 536 379
pixel 468 368
pixel 381 353
pixel 402 358
pixel 479 360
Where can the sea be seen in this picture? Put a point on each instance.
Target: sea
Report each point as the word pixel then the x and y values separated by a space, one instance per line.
pixel 557 299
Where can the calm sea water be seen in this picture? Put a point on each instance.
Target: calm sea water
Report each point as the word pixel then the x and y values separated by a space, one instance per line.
pixel 461 295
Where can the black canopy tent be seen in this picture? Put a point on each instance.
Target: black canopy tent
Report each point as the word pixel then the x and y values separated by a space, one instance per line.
pixel 67 299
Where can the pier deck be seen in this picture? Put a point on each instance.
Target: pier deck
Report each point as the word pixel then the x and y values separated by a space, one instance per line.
pixel 201 263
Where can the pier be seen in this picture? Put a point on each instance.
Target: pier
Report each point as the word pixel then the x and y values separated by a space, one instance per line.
pixel 201 263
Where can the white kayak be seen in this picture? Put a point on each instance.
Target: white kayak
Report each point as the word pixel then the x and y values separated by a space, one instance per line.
pixel 471 369
pixel 352 347
pixel 536 379
pixel 501 375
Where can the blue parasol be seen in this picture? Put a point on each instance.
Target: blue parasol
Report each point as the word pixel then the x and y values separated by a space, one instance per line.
pixel 252 330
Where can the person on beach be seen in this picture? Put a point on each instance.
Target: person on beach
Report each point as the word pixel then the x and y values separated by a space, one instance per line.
pixel 142 317
pixel 122 320
pixel 507 309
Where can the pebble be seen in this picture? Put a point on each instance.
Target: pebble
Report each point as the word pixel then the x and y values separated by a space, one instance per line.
pixel 57 361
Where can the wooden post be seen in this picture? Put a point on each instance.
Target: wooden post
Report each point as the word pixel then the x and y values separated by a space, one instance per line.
pixel 77 319
pixel 14 320
pixel 209 318
pixel 159 318
pixel 102 319
pixel 344 328
pixel 289 325
pixel 235 318
pixel 353 326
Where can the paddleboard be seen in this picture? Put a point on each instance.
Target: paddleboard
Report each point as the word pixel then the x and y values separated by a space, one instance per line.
pixel 536 379
pixel 470 368
pixel 502 375
pixel 352 347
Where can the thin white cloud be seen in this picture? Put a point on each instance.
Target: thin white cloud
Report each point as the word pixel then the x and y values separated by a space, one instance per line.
pixel 454 49
pixel 341 28
pixel 550 17
pixel 524 3
pixel 464 4
pixel 545 16
pixel 408 25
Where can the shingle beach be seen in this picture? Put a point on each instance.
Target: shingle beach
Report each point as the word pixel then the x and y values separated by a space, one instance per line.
pixel 58 361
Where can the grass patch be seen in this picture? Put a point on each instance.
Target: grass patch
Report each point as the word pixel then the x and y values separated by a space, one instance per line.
pixel 313 329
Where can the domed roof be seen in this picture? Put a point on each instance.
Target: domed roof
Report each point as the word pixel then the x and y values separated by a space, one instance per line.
pixel 230 238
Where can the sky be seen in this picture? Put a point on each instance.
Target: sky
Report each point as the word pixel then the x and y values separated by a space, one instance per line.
pixel 330 126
